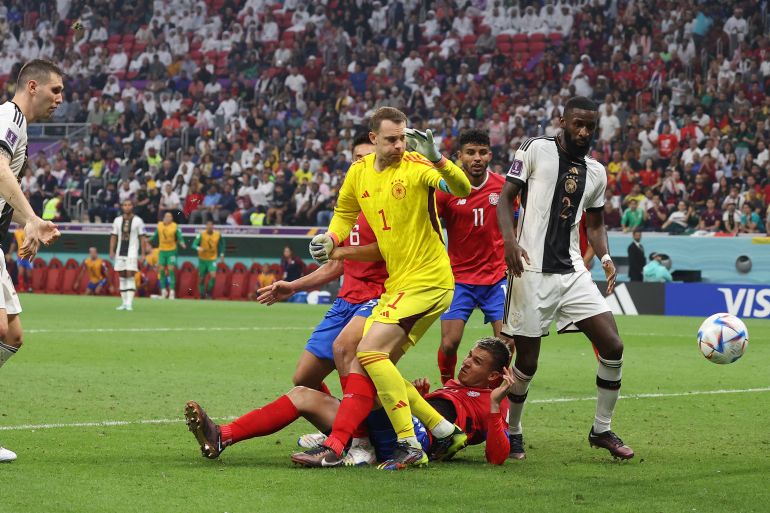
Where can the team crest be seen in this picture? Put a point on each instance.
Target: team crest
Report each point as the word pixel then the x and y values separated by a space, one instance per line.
pixel 398 190
pixel 570 185
pixel 494 198
pixel 473 393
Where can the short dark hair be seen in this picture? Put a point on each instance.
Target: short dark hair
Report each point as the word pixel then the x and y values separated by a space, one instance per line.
pixel 473 136
pixel 581 103
pixel 360 139
pixel 386 113
pixel 39 70
pixel 501 353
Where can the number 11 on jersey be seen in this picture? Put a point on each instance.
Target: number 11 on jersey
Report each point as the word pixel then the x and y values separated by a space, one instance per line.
pixel 478 217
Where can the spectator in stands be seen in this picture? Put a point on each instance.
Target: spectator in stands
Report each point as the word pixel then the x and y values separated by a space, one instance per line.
pixel 710 218
pixel 53 209
pixel 278 206
pixel 731 219
pixel 204 212
pixel 170 201
pixel 751 221
pixel 677 221
pixel 632 217
pixel 292 266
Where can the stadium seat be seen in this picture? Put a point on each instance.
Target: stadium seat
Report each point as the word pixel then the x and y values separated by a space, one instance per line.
pixel 187 282
pixel 69 275
pixel 239 282
pixel 53 276
pixel 519 38
pixel 537 46
pixel 251 290
pixel 555 38
pixel 222 282
pixel 537 37
pixel 39 270
pixel 255 268
pixel 153 282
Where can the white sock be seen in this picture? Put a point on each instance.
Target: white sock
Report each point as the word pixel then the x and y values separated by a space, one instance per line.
pixel 443 429
pixel 6 352
pixel 130 296
pixel 607 391
pixel 516 398
pixel 412 440
pixel 123 288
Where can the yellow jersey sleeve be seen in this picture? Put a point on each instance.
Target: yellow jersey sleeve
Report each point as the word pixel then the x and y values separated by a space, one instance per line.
pixel 348 207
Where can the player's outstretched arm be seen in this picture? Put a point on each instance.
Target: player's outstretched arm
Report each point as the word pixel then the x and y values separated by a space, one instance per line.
pixel 368 253
pixel 282 290
pixel 514 254
pixel 597 238
pixel 454 180
pixel 36 230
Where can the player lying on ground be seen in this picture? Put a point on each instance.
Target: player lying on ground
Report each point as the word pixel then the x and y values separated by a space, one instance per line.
pixel 38 93
pixel 476 400
pixel 548 278
pixel 395 190
pixel 475 249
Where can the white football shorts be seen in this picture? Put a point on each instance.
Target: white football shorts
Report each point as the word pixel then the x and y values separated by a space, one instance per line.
pixel 535 300
pixel 126 263
pixel 9 300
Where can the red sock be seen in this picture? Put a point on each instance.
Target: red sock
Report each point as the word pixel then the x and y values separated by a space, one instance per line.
pixel 446 365
pixel 323 388
pixel 356 404
pixel 261 422
pixel 343 383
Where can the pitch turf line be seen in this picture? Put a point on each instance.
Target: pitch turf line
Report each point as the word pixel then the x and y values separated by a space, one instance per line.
pixel 118 423
pixel 154 330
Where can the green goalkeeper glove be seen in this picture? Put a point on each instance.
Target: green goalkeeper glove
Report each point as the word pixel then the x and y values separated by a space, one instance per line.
pixel 422 143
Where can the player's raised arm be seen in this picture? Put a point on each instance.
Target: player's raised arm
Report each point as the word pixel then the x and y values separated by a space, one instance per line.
pixel 453 178
pixel 498 445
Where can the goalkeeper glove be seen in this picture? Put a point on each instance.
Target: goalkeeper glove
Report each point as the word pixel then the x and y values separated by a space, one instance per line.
pixel 321 247
pixel 422 143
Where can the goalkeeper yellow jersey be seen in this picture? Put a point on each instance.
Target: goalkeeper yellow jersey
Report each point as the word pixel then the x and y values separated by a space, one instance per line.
pixel 399 203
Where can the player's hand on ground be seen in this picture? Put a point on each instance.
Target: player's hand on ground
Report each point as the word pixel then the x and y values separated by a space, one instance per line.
pixel 611 273
pixel 499 393
pixel 515 256
pixel 37 232
pixel 423 143
pixel 278 291
pixel 422 385
pixel 321 247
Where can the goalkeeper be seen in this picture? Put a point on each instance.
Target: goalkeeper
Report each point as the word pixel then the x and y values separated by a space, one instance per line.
pixel 395 189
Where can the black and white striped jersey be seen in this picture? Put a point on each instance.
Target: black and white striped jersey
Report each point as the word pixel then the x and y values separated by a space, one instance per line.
pixel 556 189
pixel 13 140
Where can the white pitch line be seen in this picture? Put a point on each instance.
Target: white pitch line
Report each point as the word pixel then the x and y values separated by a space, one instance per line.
pixel 118 423
pixel 154 330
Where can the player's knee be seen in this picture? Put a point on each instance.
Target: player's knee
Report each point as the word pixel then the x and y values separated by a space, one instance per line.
pixel 300 395
pixel 612 348
pixel 449 345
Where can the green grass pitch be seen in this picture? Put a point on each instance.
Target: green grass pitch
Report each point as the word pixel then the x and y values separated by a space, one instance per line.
pixel 85 365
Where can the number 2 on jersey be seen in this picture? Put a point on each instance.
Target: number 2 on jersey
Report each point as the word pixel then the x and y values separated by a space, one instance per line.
pixel 478 217
pixel 384 221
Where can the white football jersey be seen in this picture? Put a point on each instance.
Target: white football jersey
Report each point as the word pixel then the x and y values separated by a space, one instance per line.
pixel 13 139
pixel 556 189
pixel 128 233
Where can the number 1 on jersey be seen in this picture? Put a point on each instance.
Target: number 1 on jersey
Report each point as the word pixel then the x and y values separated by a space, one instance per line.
pixel 384 221
pixel 478 217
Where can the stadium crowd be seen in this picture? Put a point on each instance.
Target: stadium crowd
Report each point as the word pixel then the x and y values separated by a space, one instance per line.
pixel 243 112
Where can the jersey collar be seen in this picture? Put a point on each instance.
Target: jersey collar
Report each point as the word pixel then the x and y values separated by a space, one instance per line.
pixel 486 179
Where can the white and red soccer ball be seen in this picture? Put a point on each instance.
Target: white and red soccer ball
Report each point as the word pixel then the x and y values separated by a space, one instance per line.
pixel 723 338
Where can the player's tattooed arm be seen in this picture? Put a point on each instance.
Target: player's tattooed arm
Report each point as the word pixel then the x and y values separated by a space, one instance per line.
pixel 514 254
pixel 367 253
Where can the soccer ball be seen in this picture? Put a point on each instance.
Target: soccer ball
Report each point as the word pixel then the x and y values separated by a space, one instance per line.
pixel 723 338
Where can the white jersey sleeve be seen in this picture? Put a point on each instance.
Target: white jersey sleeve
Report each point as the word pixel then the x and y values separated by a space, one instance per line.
pixel 116 226
pixel 141 230
pixel 596 200
pixel 522 168
pixel 11 127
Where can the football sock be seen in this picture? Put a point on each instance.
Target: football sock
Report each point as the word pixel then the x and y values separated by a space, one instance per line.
pixel 163 276
pixel 607 390
pixel 391 391
pixel 202 289
pixel 343 382
pixel 356 404
pixel 433 420
pixel 446 365
pixel 261 422
pixel 323 388
pixel 130 290
pixel 210 285
pixel 6 352
pixel 516 397
pixel 172 279
pixel 124 290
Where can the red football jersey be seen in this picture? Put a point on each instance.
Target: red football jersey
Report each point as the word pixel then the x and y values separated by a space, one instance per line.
pixel 362 281
pixel 475 244
pixel 472 407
